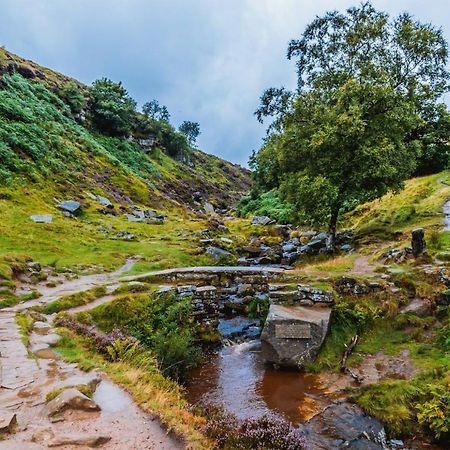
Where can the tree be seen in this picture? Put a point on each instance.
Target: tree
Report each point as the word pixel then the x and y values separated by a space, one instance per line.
pixel 191 130
pixel 111 109
pixel 348 132
pixel 154 110
pixel 73 96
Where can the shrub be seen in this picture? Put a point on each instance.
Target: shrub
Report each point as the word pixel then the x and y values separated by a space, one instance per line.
pixel 111 109
pixel 267 204
pixel 269 432
pixel 71 94
pixel 434 414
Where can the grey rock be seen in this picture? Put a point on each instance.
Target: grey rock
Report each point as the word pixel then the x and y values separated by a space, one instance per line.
pixel 42 218
pixel 261 220
pixel 70 206
pixel 125 236
pixel 346 248
pixel 209 208
pixel 313 294
pixel 217 253
pixel 292 336
pixel 34 266
pixel 104 202
pixel 69 399
pixel 343 425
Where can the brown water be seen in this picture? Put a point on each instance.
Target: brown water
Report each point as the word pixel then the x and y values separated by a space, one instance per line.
pixel 237 378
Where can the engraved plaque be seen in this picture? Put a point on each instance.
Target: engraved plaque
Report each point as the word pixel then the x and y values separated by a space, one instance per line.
pixel 293 331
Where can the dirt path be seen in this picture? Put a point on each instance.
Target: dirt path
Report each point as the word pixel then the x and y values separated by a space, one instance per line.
pixel 26 380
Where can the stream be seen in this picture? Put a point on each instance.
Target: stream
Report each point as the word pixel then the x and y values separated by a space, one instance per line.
pixel 237 378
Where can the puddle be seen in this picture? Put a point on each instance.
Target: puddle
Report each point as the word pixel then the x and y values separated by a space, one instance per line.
pixel 111 398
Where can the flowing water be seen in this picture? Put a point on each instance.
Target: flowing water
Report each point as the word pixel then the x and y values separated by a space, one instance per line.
pixel 237 378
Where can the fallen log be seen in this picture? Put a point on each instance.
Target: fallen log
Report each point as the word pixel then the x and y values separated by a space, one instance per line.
pixel 348 351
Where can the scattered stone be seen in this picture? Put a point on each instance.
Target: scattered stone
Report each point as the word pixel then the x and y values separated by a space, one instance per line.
pixel 104 202
pixel 209 208
pixel 8 421
pixel 418 243
pixel 262 220
pixel 217 253
pixel 79 439
pixel 70 399
pixel 292 336
pixel 34 266
pixel 313 294
pixel 226 240
pixel 344 425
pixel 71 207
pixel 148 216
pixel 125 235
pixel 91 195
pixel 223 228
pixel 41 327
pixel 42 218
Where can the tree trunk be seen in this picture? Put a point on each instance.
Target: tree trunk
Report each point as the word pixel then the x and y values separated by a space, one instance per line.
pixel 331 239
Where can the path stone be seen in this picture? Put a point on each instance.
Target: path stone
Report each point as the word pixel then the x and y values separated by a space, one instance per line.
pixel 69 399
pixel 79 439
pixel 292 336
pixel 8 421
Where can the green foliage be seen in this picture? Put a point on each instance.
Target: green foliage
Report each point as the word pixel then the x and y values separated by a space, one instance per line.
pixel 267 204
pixel 259 308
pixel 111 109
pixel 161 323
pixel 155 111
pixel 434 413
pixel 352 130
pixel 71 301
pixel 71 94
pixel 191 130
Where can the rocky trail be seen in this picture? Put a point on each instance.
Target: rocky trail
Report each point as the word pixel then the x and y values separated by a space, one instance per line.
pixel 111 420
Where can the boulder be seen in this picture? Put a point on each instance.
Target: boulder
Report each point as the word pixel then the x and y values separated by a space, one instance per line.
pixel 261 220
pixel 217 253
pixel 419 247
pixel 344 425
pixel 69 399
pixel 292 336
pixel 42 218
pixel 70 206
pixel 209 209
pixel 104 202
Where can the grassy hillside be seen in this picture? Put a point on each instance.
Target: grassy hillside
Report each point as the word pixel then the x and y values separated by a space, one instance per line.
pixel 49 156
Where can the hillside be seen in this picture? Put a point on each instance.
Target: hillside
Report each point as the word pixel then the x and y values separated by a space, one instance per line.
pixel 49 155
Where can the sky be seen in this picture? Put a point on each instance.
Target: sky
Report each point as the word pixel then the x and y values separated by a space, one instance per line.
pixel 208 61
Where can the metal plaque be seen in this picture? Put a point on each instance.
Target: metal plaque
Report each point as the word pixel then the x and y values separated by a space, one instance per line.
pixel 293 331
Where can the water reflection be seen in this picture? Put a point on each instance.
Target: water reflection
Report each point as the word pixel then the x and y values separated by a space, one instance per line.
pixel 237 378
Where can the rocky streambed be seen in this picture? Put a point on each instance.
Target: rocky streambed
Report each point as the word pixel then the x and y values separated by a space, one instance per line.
pixel 237 377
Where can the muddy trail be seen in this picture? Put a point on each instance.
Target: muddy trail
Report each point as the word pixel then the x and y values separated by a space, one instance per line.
pixel 111 420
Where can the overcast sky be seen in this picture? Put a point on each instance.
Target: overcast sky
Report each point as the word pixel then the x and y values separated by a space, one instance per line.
pixel 207 60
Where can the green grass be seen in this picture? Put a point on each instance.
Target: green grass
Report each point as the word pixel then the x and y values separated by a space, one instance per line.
pixel 71 301
pixel 418 204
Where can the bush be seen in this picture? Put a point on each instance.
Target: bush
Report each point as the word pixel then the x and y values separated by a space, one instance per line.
pixel 162 323
pixel 267 204
pixel 263 433
pixel 111 109
pixel 71 94
pixel 434 414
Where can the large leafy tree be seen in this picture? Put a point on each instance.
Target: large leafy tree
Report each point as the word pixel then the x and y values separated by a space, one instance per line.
pixel 349 133
pixel 111 109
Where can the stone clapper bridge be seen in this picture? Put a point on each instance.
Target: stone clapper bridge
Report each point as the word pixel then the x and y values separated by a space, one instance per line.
pixel 298 319
pixel 295 328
